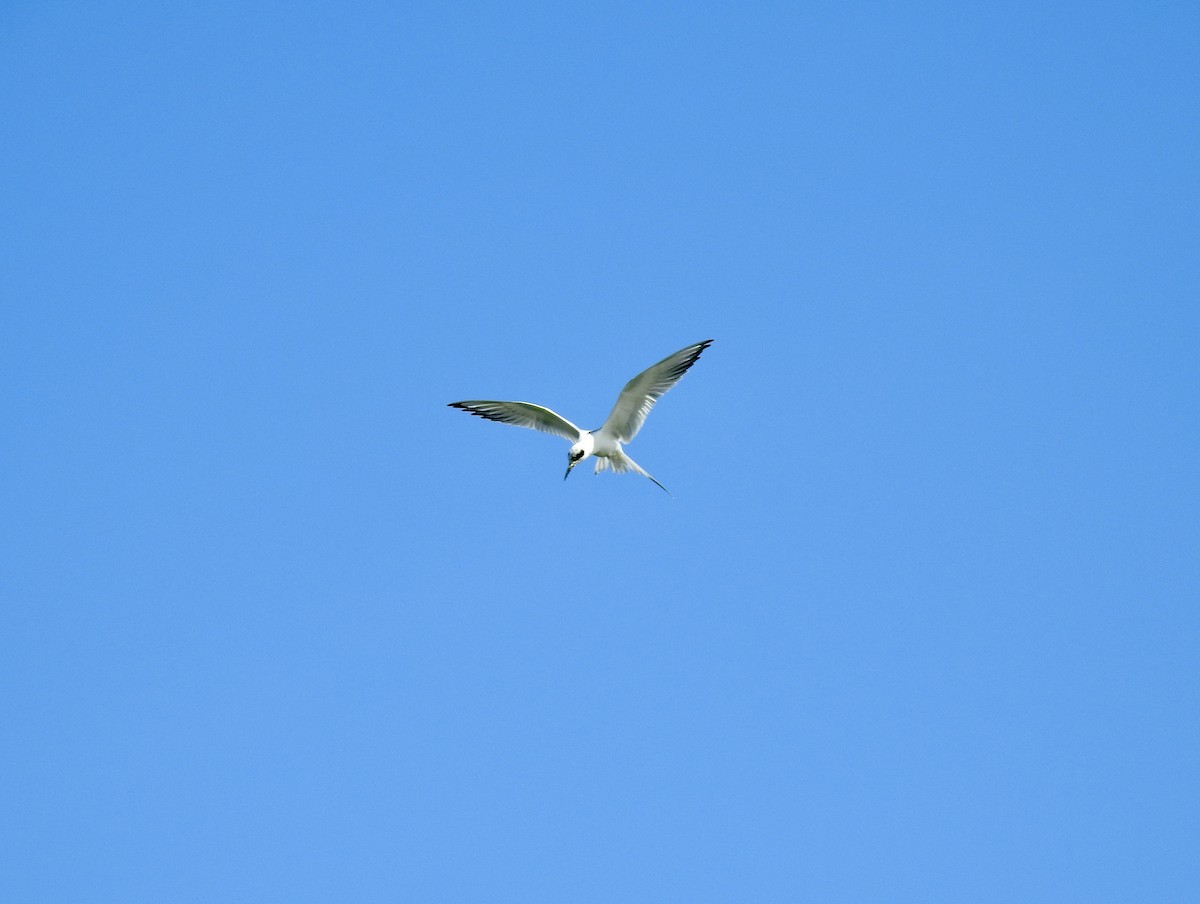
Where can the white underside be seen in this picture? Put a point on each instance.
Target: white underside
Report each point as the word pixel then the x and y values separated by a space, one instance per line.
pixel 617 462
pixel 611 457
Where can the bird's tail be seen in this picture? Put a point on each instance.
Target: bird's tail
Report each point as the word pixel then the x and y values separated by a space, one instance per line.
pixel 620 463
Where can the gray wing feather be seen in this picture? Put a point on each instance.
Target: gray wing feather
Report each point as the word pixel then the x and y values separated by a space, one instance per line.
pixel 640 393
pixel 522 414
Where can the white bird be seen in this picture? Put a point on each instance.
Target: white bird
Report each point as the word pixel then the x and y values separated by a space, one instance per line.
pixel 623 424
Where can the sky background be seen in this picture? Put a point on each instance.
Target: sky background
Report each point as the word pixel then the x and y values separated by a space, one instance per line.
pixel 921 622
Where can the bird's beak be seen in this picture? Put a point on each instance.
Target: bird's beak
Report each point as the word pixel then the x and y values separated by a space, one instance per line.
pixel 570 465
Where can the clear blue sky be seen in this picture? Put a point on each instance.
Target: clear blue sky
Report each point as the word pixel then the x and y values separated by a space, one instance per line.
pixel 922 621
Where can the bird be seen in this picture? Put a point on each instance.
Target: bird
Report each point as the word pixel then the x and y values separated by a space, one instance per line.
pixel 606 443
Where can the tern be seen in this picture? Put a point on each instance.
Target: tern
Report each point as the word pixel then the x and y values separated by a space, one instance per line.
pixel 623 424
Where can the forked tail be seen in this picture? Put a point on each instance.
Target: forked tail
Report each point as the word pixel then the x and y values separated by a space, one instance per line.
pixel 621 463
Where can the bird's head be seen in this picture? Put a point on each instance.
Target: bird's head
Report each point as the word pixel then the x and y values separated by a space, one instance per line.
pixel 576 454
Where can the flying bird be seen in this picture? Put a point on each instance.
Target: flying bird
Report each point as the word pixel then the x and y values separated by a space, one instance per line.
pixel 623 424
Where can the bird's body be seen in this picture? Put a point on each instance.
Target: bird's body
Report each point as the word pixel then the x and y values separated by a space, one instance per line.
pixel 606 443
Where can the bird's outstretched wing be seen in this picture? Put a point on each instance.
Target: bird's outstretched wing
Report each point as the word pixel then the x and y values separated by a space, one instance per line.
pixel 640 393
pixel 522 414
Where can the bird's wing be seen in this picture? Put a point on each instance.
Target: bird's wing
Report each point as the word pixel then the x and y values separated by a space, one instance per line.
pixel 640 393
pixel 522 414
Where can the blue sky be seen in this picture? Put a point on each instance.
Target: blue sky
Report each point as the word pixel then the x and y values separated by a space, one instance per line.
pixel 921 621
